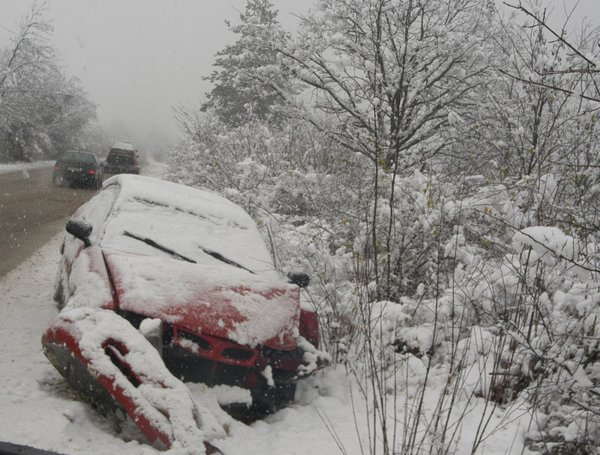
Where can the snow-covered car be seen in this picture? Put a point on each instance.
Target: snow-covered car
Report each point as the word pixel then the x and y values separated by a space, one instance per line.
pixel 122 158
pixel 155 274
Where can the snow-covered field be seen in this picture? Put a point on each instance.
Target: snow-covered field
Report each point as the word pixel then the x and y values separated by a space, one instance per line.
pixel 38 409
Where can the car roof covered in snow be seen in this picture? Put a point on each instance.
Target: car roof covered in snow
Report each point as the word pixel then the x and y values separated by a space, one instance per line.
pixel 123 146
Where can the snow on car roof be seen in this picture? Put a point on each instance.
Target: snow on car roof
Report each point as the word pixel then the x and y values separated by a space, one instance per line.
pixel 123 146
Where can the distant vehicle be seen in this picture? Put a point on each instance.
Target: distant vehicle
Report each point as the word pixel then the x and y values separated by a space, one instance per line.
pixel 78 168
pixel 122 158
pixel 160 281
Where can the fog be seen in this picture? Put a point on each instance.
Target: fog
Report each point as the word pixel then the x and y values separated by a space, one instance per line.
pixel 139 58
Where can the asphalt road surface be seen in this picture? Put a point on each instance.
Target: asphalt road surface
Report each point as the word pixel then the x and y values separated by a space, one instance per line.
pixel 32 211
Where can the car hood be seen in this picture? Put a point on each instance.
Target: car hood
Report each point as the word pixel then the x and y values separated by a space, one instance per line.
pixel 222 301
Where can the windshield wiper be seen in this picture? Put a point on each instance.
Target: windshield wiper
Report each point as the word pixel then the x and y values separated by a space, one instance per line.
pixel 175 254
pixel 158 246
pixel 222 258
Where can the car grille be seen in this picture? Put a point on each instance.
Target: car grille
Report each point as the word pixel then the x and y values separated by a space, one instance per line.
pixel 193 368
pixel 202 343
pixel 211 360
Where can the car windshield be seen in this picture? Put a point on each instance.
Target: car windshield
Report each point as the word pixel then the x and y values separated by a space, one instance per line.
pixel 120 157
pixel 77 156
pixel 175 254
pixel 202 227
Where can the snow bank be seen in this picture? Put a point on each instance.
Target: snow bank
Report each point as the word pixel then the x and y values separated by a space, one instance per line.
pixel 7 168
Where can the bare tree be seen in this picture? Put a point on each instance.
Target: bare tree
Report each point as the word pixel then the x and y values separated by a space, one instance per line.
pixel 391 71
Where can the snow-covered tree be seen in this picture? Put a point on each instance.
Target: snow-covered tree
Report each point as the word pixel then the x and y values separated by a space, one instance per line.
pixel 387 80
pixel 534 115
pixel 392 72
pixel 42 111
pixel 421 269
pixel 247 81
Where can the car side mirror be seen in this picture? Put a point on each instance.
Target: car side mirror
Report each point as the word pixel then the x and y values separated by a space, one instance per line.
pixel 81 230
pixel 300 279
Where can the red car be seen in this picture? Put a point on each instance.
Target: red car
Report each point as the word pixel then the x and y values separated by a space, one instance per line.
pixel 161 283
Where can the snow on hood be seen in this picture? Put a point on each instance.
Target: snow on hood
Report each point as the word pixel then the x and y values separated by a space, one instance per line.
pixel 221 301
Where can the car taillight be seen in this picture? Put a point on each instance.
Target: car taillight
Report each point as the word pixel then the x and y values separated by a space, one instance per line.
pixel 91 171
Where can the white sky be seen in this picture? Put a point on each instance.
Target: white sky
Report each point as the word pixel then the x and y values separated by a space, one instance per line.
pixel 137 58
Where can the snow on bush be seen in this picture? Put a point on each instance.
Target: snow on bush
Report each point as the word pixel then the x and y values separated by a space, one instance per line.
pixel 547 244
pixel 477 288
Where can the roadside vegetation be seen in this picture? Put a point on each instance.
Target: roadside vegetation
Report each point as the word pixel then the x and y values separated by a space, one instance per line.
pixel 434 167
pixel 43 112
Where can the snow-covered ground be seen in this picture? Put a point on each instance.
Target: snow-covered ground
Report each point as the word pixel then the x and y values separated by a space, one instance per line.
pixel 38 409
pixel 6 168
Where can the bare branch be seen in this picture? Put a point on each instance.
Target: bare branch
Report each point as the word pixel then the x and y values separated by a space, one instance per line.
pixel 550 87
pixel 543 23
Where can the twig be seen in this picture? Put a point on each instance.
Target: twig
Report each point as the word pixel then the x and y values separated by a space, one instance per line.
pixel 520 7
pixel 551 87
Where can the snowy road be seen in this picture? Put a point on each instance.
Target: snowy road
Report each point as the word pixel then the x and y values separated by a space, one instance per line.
pixel 32 211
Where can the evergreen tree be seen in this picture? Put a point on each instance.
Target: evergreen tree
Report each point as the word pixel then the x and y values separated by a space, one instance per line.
pixel 249 81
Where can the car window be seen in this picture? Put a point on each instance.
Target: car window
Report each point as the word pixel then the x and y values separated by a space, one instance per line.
pixel 213 236
pixel 69 156
pixel 120 157
pixel 78 156
pixel 86 158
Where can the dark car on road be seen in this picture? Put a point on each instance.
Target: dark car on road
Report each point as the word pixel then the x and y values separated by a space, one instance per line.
pixel 75 168
pixel 122 159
